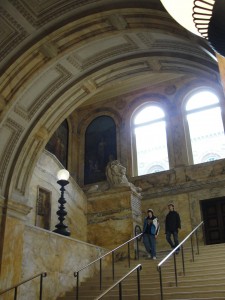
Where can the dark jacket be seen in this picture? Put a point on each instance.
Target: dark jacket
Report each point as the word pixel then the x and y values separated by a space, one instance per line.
pixel 172 222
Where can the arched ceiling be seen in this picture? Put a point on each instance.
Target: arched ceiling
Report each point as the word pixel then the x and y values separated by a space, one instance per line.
pixel 58 55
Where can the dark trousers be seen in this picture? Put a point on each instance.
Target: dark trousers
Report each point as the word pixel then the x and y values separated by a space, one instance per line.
pixel 175 241
pixel 150 244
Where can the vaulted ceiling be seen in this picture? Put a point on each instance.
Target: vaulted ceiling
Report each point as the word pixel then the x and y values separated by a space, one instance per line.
pixel 58 55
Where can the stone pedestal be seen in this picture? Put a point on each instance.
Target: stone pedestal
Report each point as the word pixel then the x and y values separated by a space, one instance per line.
pixel 112 217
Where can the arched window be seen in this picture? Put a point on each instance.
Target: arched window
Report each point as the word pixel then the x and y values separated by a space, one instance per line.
pixel 205 126
pixel 150 153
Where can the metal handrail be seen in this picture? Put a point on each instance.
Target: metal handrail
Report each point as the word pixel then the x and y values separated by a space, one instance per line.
pixel 15 287
pixel 138 268
pixel 173 252
pixel 76 273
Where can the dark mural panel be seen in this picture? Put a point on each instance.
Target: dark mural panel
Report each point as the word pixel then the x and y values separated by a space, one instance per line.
pixel 100 148
pixel 58 143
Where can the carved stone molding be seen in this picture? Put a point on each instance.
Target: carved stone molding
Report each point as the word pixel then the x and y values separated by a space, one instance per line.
pixel 41 12
pixel 53 78
pixel 17 210
pixel 12 133
pixel 182 188
pixel 101 51
pixel 2 205
pixel 12 33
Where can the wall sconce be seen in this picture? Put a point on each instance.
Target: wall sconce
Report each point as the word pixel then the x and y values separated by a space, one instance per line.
pixel 61 228
pixel 201 17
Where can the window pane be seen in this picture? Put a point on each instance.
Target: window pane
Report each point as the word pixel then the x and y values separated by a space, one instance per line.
pixel 201 99
pixel 151 146
pixel 148 114
pixel 207 135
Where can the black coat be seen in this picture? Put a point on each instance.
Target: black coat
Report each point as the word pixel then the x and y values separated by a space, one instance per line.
pixel 172 222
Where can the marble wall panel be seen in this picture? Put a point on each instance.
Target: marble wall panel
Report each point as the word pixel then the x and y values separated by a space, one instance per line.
pixel 13 243
pixel 112 217
pixel 58 255
pixel 44 176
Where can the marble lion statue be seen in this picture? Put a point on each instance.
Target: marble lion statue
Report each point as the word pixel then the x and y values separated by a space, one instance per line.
pixel 116 175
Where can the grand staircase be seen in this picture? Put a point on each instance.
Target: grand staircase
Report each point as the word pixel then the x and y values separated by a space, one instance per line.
pixel 204 278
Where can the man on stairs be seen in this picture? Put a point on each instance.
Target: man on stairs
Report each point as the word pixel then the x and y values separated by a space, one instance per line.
pixel 172 225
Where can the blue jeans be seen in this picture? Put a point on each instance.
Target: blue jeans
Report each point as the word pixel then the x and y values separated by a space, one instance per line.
pixel 175 241
pixel 150 244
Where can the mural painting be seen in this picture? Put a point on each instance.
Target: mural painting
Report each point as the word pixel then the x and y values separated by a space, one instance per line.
pixel 58 143
pixel 100 148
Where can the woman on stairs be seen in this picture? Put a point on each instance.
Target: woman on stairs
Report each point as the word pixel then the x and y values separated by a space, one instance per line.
pixel 150 233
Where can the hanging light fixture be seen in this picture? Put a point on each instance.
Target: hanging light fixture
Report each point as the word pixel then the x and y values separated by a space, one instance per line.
pixel 205 18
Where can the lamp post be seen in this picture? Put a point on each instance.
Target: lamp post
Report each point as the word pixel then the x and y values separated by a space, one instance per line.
pixel 63 176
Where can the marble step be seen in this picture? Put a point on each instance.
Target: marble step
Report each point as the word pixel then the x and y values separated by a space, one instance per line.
pixel 196 268
pixel 130 288
pixel 200 295
pixel 196 284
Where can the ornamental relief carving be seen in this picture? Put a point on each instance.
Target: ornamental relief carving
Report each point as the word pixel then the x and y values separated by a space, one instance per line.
pixel 53 79
pixel 101 51
pixel 12 33
pixel 41 12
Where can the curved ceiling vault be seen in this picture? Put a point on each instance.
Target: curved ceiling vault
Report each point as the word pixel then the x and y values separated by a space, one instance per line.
pixel 58 55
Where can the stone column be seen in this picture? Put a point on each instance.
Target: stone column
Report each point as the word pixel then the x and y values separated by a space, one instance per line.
pixel 177 146
pixel 112 217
